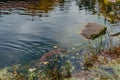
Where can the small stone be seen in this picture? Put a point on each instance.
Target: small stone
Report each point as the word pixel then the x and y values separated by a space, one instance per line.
pixel 32 69
pixel 77 54
pixel 73 57
pixel 73 67
pixel 73 48
pixel 55 47
pixel 81 63
pixel 82 68
pixel 46 62
pixel 83 53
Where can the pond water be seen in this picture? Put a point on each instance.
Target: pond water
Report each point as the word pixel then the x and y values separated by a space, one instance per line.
pixel 25 36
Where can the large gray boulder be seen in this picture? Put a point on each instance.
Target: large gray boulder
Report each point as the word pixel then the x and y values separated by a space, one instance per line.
pixel 93 30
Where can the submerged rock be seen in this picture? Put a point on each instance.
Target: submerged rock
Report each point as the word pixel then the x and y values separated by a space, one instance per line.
pixel 49 54
pixel 115 34
pixel 93 30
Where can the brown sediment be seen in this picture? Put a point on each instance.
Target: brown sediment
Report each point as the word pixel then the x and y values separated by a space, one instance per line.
pixel 103 58
pixel 49 54
pixel 113 53
pixel 15 4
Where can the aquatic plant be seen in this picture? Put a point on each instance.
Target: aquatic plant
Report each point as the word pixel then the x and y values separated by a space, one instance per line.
pixel 89 61
pixel 112 52
pixel 57 68
pixel 49 54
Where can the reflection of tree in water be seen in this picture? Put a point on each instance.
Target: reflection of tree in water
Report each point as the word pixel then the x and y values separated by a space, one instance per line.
pixel 44 5
pixel 86 4
pixel 64 5
pixel 36 6
pixel 31 7
pixel 110 10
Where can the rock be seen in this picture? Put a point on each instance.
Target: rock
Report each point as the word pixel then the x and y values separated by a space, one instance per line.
pixel 55 47
pixel 115 34
pixel 93 30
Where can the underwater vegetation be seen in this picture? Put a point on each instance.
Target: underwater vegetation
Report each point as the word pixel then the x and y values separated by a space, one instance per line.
pixel 59 67
pixel 56 64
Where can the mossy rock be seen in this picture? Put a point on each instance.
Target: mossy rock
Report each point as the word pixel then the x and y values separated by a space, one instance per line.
pixel 93 30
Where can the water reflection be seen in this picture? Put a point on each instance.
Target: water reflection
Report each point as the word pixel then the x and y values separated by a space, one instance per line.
pixel 30 29
pixel 86 4
pixel 38 8
pixel 43 6
pixel 110 11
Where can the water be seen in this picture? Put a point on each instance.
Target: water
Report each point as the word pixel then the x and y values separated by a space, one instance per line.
pixel 26 37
